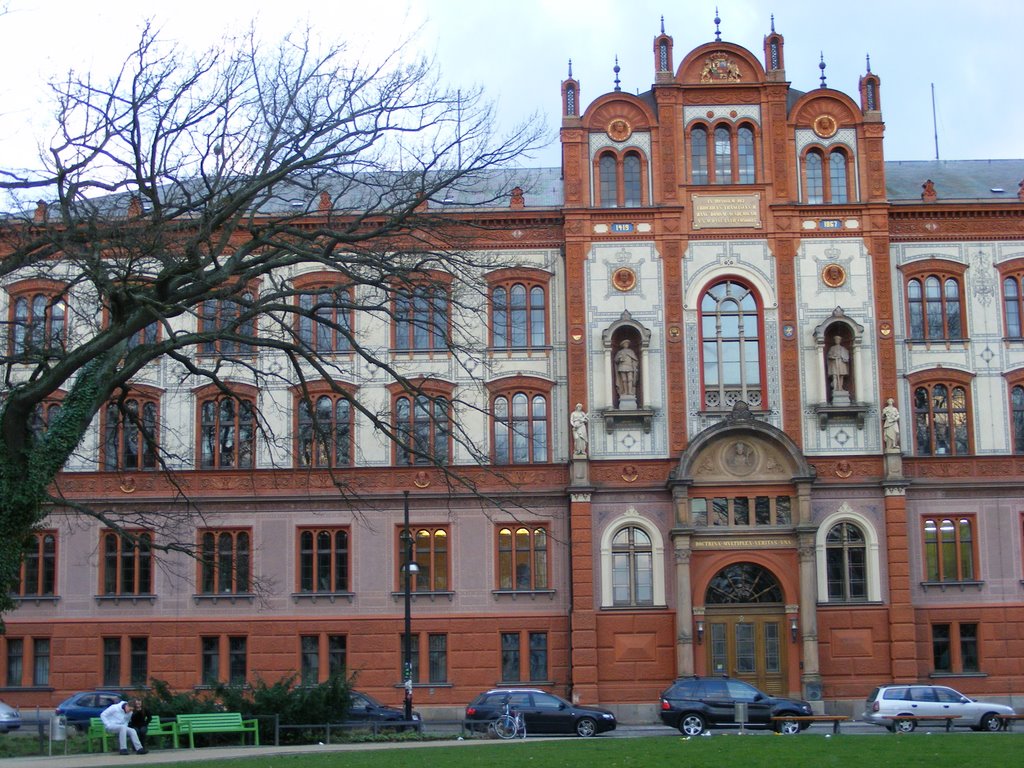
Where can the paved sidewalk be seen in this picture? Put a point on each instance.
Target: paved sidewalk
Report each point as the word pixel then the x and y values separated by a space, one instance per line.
pixel 170 756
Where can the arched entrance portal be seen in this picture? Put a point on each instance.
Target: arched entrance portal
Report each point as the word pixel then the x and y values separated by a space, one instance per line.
pixel 745 617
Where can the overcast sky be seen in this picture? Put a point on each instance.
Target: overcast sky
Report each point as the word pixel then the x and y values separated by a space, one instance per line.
pixel 519 51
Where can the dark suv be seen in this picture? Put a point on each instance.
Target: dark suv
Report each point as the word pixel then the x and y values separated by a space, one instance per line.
pixel 693 704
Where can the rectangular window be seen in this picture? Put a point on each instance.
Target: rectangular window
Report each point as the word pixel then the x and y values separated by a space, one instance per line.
pixel 237 660
pixel 742 511
pixel 421 319
pixel 224 562
pixel 437 661
pixel 309 661
pixel 955 648
pixel 41 661
pixel 430 554
pixel 112 661
pixel 15 661
pixel 538 657
pixel 522 557
pixel 138 672
pixel 210 660
pixel 510 655
pixel 323 560
pixel 949 549
pixel 337 651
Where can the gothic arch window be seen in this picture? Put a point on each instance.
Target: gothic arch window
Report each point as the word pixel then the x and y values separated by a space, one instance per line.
pixel 846 550
pixel 743 583
pixel 731 345
pixel 632 563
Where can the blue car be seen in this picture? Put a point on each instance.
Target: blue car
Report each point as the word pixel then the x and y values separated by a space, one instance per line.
pixel 79 707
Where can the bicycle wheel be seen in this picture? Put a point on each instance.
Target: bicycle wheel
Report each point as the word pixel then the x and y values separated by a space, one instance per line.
pixel 505 727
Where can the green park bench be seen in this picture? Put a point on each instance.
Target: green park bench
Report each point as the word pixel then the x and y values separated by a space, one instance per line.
pixel 157 728
pixel 217 722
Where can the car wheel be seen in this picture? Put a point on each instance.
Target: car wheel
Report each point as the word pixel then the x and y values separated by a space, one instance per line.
pixel 903 726
pixel 692 724
pixel 586 726
pixel 990 723
pixel 787 727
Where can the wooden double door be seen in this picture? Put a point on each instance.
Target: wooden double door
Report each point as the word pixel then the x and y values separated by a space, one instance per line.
pixel 749 644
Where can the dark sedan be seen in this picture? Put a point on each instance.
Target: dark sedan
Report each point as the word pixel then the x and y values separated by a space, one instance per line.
pixel 366 709
pixel 543 712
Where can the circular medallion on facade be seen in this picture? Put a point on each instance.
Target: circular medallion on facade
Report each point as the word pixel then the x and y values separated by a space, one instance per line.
pixel 788 331
pixel 624 279
pixel 629 473
pixel 741 458
pixel 576 335
pixel 885 330
pixel 619 130
pixel 825 126
pixel 421 480
pixel 674 332
pixel 843 469
pixel 833 275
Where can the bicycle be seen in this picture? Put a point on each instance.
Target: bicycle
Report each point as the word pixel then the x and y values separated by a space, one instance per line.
pixel 510 724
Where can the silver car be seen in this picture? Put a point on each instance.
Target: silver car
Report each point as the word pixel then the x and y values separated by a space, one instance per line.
pixel 888 702
pixel 10 718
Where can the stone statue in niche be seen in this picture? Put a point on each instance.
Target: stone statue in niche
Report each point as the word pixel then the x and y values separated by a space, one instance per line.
pixel 578 422
pixel 838 366
pixel 627 366
pixel 891 426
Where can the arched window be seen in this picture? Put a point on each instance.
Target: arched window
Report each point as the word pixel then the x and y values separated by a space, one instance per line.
pixel 421 424
pixel 325 318
pixel 699 155
pixel 949 549
pixel 421 318
pixel 520 423
pixel 609 180
pixel 814 177
pixel 731 352
pixel 941 419
pixel 1012 306
pixel 130 434
pixel 723 155
pixel 38 574
pixel 519 311
pixel 323 560
pixel 743 583
pixel 224 562
pixel 38 311
pixel 227 432
pixel 934 304
pixel 1017 413
pixel 127 564
pixel 231 322
pixel 632 567
pixel 522 557
pixel 430 553
pixel 846 563
pixel 631 180
pixel 837 177
pixel 324 431
pixel 745 149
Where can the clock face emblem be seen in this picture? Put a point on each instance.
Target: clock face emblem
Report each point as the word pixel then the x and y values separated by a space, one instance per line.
pixel 825 126
pixel 619 130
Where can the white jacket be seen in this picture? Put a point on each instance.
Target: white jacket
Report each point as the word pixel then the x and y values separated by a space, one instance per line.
pixel 114 717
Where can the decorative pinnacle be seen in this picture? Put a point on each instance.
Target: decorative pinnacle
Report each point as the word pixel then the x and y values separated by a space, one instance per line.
pixel 616 70
pixel 821 66
pixel 718 32
pixel 867 57
pixel 570 69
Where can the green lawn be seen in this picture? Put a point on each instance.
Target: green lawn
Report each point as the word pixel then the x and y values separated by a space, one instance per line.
pixel 808 750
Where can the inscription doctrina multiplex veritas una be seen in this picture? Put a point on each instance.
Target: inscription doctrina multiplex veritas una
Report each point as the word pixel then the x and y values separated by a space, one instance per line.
pixel 721 211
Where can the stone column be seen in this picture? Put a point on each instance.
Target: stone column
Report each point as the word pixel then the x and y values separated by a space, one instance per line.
pixel 684 605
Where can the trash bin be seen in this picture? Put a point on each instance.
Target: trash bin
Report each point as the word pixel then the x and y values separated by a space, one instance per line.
pixel 58 728
pixel 741 712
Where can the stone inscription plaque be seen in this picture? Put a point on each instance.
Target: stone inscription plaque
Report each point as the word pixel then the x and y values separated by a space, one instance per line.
pixel 722 211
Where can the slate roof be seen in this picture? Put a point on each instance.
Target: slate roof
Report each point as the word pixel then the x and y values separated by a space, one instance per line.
pixel 954 180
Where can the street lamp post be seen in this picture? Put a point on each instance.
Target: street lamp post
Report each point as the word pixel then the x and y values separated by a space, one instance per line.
pixel 408 569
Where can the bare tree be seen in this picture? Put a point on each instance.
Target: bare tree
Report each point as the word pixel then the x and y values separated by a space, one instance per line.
pixel 172 190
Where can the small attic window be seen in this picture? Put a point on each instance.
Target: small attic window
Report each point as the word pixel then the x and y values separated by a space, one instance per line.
pixel 997 190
